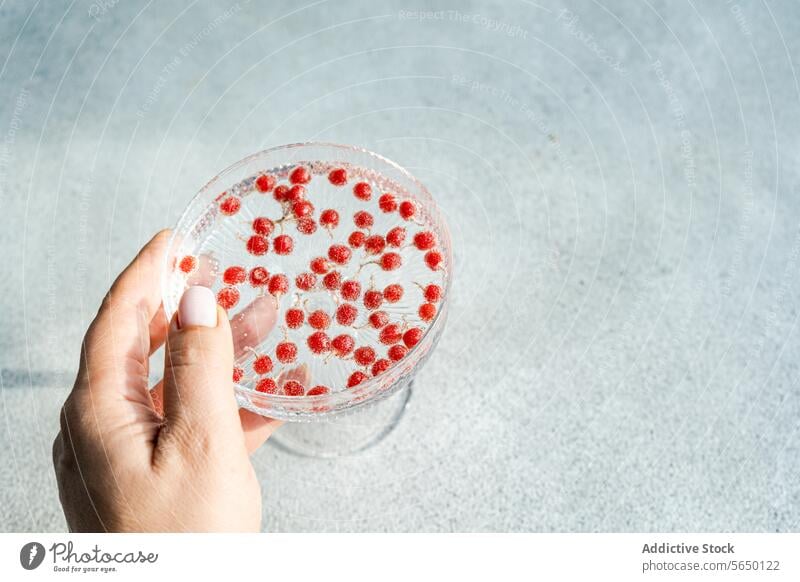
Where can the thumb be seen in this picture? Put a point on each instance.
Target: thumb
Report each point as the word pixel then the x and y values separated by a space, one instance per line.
pixel 198 389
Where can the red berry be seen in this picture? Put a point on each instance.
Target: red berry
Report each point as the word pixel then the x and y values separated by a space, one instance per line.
pixel 339 254
pixel 391 261
pixel 329 218
pixel 356 239
pixel 362 191
pixel 363 219
pixel 433 259
pixel 228 297
pixel 387 203
pixel 320 265
pixel 391 334
pixel 293 388
pixel 305 281
pixel 364 356
pixel 267 386
pixel 265 183
pixel 234 275
pixel 286 352
pixel 281 192
pixel 351 290
pixel 306 225
pixel 373 299
pixel 283 244
pixel 433 293
pixel 188 264
pixel 259 276
pixel 230 206
pixel 338 176
pixel 412 337
pixel 263 226
pixel 424 240
pixel 374 244
pixel 278 284
pixel 427 311
pixel 295 193
pixel 332 281
pixel 257 245
pixel 262 365
pixel 238 374
pixel 318 391
pixel 378 319
pixel 407 209
pixel 300 175
pixel 294 318
pixel 393 293
pixel 346 314
pixel 319 342
pixel 381 366
pixel 397 352
pixel 343 344
pixel 302 208
pixel 396 236
pixel 319 319
pixel 355 379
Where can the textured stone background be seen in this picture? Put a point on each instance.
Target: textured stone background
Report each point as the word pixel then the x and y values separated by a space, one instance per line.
pixel 621 181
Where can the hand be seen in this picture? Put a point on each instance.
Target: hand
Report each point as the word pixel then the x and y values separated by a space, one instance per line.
pixel 126 462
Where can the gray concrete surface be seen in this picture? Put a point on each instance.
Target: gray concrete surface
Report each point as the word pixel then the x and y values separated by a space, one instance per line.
pixel 623 188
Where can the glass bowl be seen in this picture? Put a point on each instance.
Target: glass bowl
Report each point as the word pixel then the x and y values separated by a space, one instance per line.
pixel 214 238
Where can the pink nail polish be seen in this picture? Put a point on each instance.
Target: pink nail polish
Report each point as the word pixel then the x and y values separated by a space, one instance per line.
pixel 197 307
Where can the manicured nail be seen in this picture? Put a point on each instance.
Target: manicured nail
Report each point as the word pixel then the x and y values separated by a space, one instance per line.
pixel 198 307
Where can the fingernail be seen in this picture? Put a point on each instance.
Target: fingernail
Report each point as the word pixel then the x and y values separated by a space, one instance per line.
pixel 197 307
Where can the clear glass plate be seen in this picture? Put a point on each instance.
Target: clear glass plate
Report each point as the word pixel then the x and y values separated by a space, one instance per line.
pixel 214 234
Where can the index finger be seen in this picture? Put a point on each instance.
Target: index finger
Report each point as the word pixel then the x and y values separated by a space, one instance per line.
pixel 117 344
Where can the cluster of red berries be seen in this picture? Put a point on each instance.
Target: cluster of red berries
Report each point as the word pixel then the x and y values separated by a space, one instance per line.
pixel 262 366
pixel 325 273
pixel 399 340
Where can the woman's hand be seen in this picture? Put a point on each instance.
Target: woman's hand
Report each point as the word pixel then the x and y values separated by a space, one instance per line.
pixel 175 458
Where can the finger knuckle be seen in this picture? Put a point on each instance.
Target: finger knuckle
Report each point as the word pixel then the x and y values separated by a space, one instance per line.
pixel 181 439
pixel 199 350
